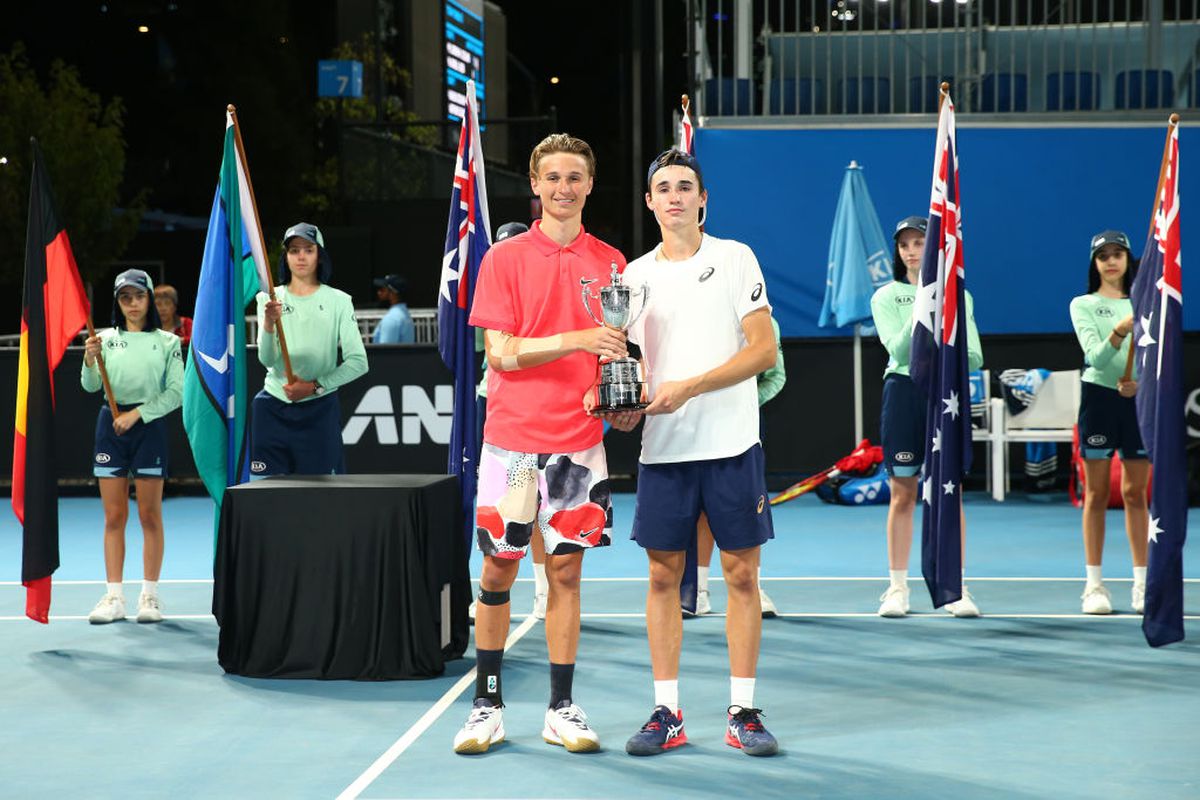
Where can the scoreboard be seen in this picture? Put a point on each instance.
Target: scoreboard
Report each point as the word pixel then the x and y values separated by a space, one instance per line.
pixel 464 56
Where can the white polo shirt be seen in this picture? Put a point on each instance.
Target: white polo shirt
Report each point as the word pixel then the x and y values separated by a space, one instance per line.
pixel 693 323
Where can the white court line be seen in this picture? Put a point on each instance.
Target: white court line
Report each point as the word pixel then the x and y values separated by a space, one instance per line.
pixel 56 617
pixel 719 614
pixel 716 578
pixel 427 719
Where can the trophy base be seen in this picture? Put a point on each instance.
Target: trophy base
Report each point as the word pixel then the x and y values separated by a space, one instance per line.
pixel 616 397
pixel 613 409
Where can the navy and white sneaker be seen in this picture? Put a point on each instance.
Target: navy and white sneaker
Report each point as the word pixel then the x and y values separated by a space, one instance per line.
pixel 745 731
pixel 663 731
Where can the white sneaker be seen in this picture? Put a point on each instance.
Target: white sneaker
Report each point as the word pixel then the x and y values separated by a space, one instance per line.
pixel 1096 599
pixel 894 602
pixel 484 728
pixel 110 609
pixel 964 607
pixel 1138 598
pixel 539 606
pixel 567 726
pixel 768 606
pixel 149 608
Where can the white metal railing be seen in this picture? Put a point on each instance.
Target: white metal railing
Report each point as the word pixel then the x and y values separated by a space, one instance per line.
pixel 424 324
pixel 803 58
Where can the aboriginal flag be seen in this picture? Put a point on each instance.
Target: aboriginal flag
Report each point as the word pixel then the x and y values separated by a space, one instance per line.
pixel 54 309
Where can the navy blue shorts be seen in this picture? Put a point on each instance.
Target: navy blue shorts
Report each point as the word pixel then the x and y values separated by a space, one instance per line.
pixel 1108 422
pixel 731 491
pixel 140 452
pixel 296 438
pixel 902 426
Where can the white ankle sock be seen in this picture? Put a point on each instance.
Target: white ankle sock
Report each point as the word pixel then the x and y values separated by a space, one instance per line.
pixel 899 577
pixel 1093 574
pixel 117 589
pixel 150 588
pixel 741 692
pixel 540 584
pixel 666 693
pixel 702 579
pixel 1139 575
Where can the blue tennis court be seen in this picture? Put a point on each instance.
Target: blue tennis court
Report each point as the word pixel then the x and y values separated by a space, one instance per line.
pixel 1034 699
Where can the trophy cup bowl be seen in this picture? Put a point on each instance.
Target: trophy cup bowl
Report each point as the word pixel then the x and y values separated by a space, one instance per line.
pixel 622 384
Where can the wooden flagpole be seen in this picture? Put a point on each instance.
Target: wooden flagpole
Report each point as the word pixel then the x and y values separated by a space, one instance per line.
pixel 108 392
pixel 1162 178
pixel 241 149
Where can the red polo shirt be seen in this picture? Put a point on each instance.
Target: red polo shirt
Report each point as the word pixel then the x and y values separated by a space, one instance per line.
pixel 529 287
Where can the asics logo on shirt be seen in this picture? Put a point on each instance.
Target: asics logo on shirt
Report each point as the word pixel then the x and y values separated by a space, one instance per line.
pixel 757 293
pixel 707 274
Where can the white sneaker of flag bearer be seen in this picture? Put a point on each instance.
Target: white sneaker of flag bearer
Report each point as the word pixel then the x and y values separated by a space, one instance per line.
pixel 1157 297
pixel 939 368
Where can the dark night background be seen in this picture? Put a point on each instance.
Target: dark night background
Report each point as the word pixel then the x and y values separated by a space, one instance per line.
pixel 261 55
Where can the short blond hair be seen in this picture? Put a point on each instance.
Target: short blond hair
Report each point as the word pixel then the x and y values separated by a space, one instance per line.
pixel 561 143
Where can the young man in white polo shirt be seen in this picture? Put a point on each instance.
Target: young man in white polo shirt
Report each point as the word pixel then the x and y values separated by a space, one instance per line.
pixel 705 336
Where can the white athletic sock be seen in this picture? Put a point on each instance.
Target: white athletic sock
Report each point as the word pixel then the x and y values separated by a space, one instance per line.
pixel 1139 575
pixel 702 578
pixel 117 589
pixel 666 693
pixel 741 692
pixel 540 584
pixel 150 588
pixel 899 577
pixel 1093 574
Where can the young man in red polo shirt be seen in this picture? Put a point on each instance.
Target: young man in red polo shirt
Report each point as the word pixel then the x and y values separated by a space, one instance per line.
pixel 543 461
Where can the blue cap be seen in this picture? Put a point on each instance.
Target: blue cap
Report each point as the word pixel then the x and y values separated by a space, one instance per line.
pixel 306 231
pixel 673 158
pixel 919 224
pixel 136 278
pixel 1109 237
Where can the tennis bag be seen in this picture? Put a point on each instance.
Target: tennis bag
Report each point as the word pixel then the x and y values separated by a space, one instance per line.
pixel 857 490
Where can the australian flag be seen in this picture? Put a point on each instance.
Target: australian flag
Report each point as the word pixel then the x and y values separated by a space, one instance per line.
pixel 468 237
pixel 1157 297
pixel 939 368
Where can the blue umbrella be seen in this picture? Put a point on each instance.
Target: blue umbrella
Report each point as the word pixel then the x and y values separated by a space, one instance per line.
pixel 860 261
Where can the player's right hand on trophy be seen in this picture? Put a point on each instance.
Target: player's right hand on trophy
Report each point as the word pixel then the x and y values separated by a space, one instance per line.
pixel 602 341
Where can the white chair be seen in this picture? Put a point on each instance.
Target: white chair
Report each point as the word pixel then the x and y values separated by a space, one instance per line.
pixel 1049 418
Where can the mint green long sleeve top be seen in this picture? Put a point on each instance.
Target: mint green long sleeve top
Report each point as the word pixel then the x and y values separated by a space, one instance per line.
pixel 145 369
pixel 315 326
pixel 892 310
pixel 1094 318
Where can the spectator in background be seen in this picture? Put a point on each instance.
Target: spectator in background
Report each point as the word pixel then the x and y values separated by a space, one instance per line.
pixel 166 300
pixel 396 327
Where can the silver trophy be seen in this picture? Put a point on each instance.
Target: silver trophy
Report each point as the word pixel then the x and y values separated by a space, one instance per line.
pixel 622 384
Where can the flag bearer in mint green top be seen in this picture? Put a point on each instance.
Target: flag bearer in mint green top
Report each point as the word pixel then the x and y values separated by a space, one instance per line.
pixel 902 419
pixel 296 427
pixel 1103 320
pixel 145 371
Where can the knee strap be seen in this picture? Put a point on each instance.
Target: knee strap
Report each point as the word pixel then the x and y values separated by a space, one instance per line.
pixel 490 598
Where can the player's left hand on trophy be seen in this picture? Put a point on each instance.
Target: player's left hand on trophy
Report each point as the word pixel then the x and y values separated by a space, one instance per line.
pixel 669 397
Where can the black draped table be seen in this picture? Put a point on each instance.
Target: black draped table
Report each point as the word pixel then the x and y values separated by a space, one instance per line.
pixel 341 577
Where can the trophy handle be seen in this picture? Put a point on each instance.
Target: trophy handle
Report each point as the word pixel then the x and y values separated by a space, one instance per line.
pixel 645 293
pixel 587 296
